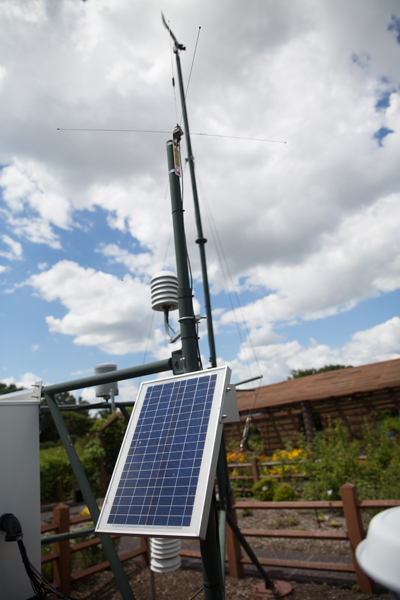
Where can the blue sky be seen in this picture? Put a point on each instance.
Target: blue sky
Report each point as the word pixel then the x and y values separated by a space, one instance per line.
pixel 308 230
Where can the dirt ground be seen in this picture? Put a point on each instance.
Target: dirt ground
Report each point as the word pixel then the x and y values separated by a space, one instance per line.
pixel 184 583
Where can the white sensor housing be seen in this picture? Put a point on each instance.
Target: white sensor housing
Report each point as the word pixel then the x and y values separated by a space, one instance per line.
pixel 164 291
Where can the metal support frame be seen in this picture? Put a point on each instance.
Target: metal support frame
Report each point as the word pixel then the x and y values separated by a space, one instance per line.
pixel 109 549
pixel 49 393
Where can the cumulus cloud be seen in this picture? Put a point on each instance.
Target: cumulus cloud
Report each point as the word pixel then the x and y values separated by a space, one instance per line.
pixel 275 361
pixel 359 260
pixel 29 189
pixel 25 380
pixel 308 228
pixel 15 249
pixel 101 309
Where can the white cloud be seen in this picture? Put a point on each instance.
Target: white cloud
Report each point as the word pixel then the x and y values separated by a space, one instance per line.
pixel 379 343
pixel 101 310
pixel 127 392
pixel 275 361
pixel 308 228
pixel 26 380
pixel 15 249
pixel 359 260
pixel 3 75
pixel 28 187
pixel 136 263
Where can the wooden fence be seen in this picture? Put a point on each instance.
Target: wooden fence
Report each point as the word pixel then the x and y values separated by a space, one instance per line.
pixel 61 555
pixel 255 476
pixel 351 506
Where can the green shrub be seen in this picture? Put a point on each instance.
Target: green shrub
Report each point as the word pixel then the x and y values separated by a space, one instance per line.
pixel 284 493
pixel 335 460
pixel 55 475
pixel 264 489
pixel 77 424
pixel 47 568
pixel 113 436
pixel 56 471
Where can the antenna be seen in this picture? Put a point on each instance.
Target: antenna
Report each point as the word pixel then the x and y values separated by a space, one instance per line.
pixel 178 46
pixel 212 567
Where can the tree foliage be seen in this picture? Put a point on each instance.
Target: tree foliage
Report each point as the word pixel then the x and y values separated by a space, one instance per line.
pixel 336 459
pixel 9 389
pixel 78 423
pixel 296 373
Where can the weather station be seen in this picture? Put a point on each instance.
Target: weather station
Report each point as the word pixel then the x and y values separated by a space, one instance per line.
pixel 163 484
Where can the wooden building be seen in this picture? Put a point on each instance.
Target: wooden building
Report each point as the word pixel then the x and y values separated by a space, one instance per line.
pixel 355 394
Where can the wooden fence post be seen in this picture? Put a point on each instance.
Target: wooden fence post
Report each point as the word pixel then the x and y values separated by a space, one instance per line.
pixel 254 469
pixel 233 550
pixel 146 555
pixel 355 532
pixel 62 564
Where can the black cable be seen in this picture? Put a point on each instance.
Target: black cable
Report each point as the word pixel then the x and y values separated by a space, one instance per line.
pixel 39 584
pixel 198 592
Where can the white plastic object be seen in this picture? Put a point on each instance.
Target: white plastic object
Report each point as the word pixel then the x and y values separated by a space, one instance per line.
pixel 379 554
pixel 164 291
pixel 165 554
pixel 19 487
pixel 106 390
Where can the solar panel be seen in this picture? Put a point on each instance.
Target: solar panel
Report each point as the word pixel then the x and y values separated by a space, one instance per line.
pixel 163 479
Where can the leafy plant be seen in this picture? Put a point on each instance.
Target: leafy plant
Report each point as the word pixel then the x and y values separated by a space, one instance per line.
pixel 284 493
pixel 56 471
pixel 264 489
pixel 55 475
pixel 335 460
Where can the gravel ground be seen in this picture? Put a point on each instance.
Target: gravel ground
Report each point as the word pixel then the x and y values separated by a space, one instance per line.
pixel 184 583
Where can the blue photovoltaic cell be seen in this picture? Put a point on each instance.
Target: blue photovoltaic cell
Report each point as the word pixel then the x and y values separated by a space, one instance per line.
pixel 159 480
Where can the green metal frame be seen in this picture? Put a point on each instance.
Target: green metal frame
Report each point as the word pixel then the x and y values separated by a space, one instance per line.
pixel 49 392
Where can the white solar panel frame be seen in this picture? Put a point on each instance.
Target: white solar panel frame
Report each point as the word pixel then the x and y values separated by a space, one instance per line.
pixel 199 519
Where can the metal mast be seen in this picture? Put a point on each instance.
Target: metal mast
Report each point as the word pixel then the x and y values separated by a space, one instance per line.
pixel 201 240
pixel 226 512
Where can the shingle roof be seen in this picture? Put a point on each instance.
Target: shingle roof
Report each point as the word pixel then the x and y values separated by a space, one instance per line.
pixel 331 384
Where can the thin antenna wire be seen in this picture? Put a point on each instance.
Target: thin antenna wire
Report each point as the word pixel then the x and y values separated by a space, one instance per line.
pixel 191 67
pixel 235 137
pixel 173 78
pixel 148 340
pixel 223 261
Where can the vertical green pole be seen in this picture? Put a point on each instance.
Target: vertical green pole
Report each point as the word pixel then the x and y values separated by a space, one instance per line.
pixel 201 240
pixel 111 553
pixel 211 561
pixel 222 468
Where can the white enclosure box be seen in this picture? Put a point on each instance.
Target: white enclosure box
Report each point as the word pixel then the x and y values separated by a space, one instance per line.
pixel 19 487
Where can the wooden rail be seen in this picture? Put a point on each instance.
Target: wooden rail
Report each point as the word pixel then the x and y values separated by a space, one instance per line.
pixel 61 555
pixel 351 506
pixel 255 476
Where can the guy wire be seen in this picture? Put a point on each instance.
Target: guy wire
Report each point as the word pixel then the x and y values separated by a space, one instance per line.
pixel 173 76
pixel 191 68
pixel 235 137
pixel 219 249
